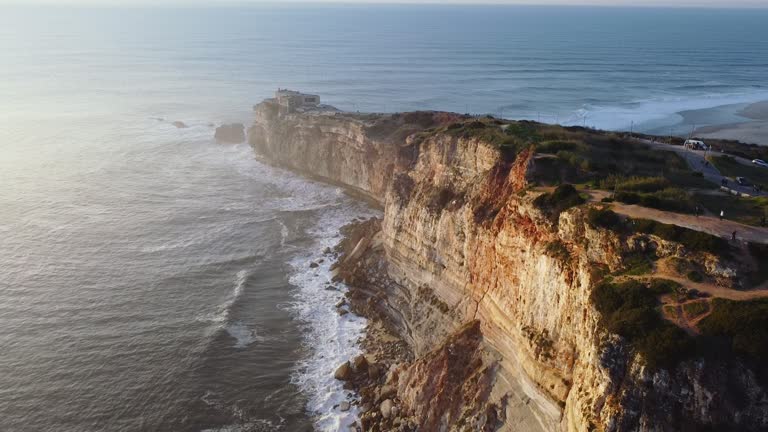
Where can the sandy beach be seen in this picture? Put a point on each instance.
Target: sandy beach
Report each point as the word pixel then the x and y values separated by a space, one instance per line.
pixel 753 131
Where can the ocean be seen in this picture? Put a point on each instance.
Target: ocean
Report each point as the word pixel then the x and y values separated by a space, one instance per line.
pixel 153 280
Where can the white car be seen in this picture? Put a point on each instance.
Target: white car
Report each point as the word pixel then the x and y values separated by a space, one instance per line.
pixel 760 162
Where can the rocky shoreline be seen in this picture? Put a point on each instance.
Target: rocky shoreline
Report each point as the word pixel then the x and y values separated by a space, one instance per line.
pixel 373 375
pixel 389 367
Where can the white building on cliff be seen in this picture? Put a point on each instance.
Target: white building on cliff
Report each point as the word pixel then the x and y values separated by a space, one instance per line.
pixel 291 101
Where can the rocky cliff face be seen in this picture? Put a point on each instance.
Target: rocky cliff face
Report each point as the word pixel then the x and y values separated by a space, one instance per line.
pixel 462 242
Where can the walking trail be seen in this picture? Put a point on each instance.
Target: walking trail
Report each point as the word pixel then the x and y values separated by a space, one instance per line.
pixel 708 224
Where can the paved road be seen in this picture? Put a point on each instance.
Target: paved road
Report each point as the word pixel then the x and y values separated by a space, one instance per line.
pixel 695 159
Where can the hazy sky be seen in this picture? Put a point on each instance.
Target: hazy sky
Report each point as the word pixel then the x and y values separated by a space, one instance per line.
pixel 699 3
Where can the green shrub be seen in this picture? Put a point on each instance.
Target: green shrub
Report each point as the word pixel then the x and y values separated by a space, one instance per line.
pixel 562 198
pixel 663 286
pixel 557 249
pixel 666 345
pixel 744 324
pixel 695 309
pixel 524 130
pixel 694 276
pixel 669 199
pixel 759 253
pixel 603 218
pixel 694 240
pixel 627 197
pixel 637 264
pixel 629 309
pixel 635 184
pixel 555 146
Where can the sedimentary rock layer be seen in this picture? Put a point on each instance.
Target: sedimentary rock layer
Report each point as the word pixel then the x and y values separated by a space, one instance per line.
pixel 461 242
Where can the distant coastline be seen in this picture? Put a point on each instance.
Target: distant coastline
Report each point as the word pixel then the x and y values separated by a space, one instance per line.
pixel 754 130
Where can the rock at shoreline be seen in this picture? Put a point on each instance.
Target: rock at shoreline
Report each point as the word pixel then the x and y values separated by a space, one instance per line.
pixel 180 124
pixel 344 406
pixel 230 133
pixel 386 408
pixel 343 372
pixel 360 364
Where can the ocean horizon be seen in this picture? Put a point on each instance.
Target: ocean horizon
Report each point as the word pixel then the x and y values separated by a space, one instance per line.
pixel 155 280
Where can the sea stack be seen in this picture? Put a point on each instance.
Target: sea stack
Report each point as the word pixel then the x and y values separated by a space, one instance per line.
pixel 230 133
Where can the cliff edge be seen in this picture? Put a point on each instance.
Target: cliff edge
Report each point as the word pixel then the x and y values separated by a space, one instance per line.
pixel 524 306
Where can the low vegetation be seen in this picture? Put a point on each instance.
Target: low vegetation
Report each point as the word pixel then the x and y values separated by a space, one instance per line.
pixel 748 211
pixel 730 167
pixel 579 155
pixel 695 309
pixel 557 249
pixel 759 253
pixel 603 218
pixel 695 276
pixel 638 264
pixel 562 198
pixel 663 286
pixel 670 199
pixel 691 239
pixel 743 326
pixel 491 131
pixel 630 309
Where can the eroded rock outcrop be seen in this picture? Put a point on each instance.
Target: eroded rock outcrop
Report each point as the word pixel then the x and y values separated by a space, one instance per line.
pixel 502 331
pixel 230 133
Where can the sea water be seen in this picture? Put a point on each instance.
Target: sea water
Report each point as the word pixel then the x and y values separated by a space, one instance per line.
pixel 151 279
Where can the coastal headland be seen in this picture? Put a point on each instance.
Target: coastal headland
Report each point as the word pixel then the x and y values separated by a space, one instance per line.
pixel 536 277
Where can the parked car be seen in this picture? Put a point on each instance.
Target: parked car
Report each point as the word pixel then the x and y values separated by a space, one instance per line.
pixel 760 162
pixel 742 181
pixel 695 145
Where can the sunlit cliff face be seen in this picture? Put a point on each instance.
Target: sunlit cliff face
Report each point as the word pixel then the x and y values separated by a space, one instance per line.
pixel 463 240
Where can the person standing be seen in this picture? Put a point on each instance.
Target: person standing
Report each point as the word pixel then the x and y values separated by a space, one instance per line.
pixel 733 236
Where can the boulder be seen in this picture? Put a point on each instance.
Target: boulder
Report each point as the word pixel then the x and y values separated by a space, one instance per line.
pixel 230 133
pixel 386 408
pixel 180 124
pixel 344 406
pixel 374 372
pixel 343 372
pixel 360 364
pixel 387 391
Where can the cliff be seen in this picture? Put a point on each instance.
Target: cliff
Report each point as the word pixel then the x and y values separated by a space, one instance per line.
pixel 495 293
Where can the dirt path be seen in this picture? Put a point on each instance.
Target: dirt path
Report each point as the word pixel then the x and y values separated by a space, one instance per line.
pixel 715 290
pixel 708 224
pixel 681 318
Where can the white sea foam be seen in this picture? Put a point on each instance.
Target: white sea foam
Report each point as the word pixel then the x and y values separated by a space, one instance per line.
pixel 332 339
pixel 243 334
pixel 284 233
pixel 221 314
pixel 661 111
